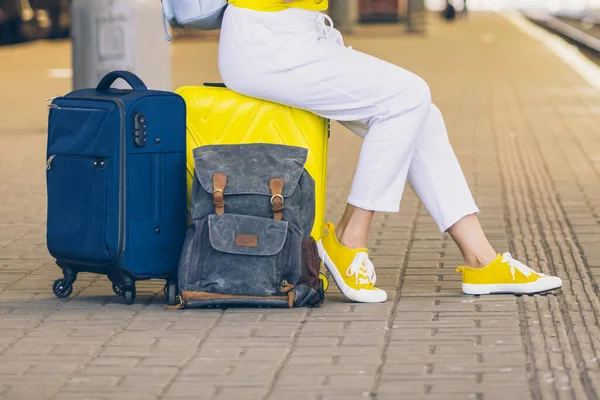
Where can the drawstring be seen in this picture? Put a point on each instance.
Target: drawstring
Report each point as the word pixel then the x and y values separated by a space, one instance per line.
pixel 325 29
pixel 164 21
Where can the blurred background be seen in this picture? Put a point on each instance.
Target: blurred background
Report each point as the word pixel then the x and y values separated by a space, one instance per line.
pixel 62 45
pixel 28 20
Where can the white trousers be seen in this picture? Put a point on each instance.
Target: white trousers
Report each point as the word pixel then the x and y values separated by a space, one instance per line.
pixel 295 58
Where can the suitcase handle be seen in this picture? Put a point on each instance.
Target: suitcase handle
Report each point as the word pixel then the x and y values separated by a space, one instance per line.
pixel 132 79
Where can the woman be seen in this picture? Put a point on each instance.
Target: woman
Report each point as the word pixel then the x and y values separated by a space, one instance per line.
pixel 287 51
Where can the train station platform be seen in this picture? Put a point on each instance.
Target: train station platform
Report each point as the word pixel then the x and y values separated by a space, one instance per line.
pixel 523 114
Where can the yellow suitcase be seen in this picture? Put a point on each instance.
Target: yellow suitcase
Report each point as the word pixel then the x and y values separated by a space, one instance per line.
pixel 217 115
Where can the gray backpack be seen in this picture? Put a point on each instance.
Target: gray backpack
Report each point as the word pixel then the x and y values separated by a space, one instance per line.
pixel 253 209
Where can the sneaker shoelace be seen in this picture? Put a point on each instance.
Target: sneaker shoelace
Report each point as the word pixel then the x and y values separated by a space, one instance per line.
pixel 363 269
pixel 514 264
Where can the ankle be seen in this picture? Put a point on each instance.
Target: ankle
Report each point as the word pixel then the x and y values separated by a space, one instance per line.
pixel 480 260
pixel 353 229
pixel 350 238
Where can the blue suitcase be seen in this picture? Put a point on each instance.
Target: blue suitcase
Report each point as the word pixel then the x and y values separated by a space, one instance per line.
pixel 116 183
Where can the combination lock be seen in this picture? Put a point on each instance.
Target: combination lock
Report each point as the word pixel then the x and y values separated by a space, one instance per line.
pixel 139 130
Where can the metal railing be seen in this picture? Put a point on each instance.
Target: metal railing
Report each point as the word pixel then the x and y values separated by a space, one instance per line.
pixel 581 28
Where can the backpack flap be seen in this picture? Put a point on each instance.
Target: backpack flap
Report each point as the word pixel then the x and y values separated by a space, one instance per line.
pixel 250 170
pixel 249 167
pixel 309 290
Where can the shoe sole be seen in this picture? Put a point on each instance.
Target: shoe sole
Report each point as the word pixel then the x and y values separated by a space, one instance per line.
pixel 350 293
pixel 540 286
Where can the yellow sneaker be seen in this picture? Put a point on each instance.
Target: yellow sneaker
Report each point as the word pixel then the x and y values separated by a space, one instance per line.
pixel 351 269
pixel 506 275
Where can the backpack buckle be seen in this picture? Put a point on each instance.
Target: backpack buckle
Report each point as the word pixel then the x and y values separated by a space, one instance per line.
pixel 276 185
pixel 276 196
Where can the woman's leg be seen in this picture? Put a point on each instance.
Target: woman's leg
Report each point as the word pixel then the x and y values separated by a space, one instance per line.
pixel 474 246
pixel 292 58
pixel 353 229
pixel 439 182
pixel 437 178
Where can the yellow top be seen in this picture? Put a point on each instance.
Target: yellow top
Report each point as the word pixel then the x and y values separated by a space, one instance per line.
pixel 278 5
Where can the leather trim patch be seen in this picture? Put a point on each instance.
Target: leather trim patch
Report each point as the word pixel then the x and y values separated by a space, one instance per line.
pixel 199 296
pixel 242 240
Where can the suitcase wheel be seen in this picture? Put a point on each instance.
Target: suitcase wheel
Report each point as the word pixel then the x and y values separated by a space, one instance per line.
pixel 124 286
pixel 129 295
pixel 62 288
pixel 170 291
pixel 118 289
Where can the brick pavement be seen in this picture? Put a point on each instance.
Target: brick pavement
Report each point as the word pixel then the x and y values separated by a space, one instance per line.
pixel 524 126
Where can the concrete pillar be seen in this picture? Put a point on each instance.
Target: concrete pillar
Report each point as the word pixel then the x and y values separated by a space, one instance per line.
pixel 119 34
pixel 416 16
pixel 344 14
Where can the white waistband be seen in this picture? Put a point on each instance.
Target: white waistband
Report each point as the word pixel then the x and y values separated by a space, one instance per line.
pixel 293 16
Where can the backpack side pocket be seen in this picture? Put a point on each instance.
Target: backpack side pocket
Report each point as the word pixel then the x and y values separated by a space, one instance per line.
pixel 309 291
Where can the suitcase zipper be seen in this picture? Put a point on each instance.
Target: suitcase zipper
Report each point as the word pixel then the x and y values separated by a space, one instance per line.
pixel 49 162
pixel 57 107
pixel 100 160
pixel 52 105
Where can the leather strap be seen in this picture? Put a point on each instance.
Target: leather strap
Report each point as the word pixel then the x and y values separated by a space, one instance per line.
pixel 291 298
pixel 219 182
pixel 276 185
